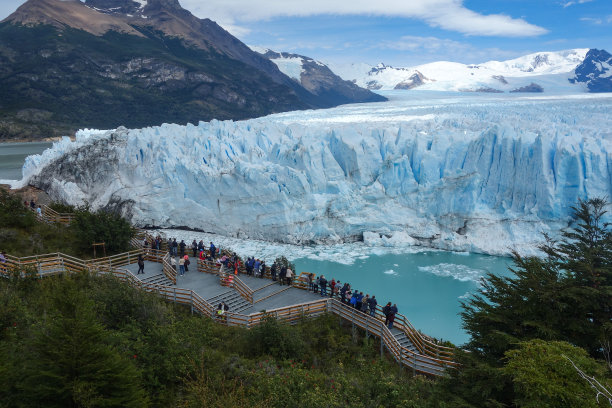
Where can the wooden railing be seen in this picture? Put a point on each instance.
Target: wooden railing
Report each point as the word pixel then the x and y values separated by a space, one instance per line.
pixel 243 289
pixel 435 355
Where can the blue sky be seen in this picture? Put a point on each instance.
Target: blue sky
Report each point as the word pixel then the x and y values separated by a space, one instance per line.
pixel 408 32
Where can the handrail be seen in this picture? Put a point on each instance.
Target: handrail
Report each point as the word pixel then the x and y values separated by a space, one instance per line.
pixel 242 288
pixel 57 262
pixel 423 363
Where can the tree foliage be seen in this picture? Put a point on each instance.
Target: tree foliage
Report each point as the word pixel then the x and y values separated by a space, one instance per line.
pixel 101 227
pixel 542 375
pixel 564 296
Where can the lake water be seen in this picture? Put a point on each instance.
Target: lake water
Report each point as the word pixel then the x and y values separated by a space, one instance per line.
pixel 426 286
pixel 12 157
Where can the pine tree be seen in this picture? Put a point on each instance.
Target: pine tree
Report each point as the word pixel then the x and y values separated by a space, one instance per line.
pixel 72 363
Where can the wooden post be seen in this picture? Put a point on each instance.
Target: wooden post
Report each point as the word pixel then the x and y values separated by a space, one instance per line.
pixel 382 332
pixel 191 300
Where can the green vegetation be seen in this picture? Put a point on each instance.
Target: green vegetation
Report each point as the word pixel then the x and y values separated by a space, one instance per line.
pixel 560 305
pixel 94 341
pixel 22 235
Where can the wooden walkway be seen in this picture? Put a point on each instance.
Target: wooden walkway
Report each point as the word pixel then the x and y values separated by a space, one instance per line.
pixel 250 299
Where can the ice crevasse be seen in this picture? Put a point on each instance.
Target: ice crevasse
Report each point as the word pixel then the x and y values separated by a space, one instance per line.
pixel 473 177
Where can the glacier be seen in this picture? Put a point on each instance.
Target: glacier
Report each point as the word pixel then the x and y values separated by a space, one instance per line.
pixel 462 172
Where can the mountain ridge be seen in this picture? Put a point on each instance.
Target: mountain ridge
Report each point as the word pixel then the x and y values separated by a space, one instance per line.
pixel 552 69
pixel 94 64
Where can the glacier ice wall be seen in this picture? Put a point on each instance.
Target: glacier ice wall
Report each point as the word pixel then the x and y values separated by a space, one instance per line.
pixel 472 174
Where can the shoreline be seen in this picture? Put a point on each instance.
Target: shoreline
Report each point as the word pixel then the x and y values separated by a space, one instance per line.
pixel 41 140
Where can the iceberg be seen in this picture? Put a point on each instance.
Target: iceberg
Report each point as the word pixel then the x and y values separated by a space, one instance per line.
pixel 456 172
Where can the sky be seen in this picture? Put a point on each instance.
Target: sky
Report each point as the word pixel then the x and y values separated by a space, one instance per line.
pixel 408 32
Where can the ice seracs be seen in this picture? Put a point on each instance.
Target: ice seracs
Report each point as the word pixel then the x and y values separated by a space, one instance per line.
pixel 479 174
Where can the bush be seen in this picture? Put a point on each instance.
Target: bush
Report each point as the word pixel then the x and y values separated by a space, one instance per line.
pixel 13 213
pixel 101 227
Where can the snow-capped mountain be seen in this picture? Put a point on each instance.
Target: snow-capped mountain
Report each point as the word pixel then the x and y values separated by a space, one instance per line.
pixel 549 71
pixel 317 78
pixel 595 71
pixel 478 173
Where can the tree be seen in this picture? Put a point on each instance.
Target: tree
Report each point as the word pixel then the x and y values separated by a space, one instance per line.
pixel 543 375
pixel 565 296
pixel 72 362
pixel 101 226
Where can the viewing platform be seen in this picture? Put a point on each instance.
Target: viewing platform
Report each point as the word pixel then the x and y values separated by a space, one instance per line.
pixel 250 299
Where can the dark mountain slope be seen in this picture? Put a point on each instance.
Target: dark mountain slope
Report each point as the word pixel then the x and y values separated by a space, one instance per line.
pixel 104 63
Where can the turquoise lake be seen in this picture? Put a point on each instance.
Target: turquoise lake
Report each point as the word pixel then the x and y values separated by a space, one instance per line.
pixel 426 286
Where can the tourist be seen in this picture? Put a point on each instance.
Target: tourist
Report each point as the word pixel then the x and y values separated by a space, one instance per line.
pixel 256 266
pixel 273 271
pixel 289 276
pixel 194 248
pixel 32 204
pixel 212 250
pixel 173 262
pixel 202 256
pixel 39 211
pixel 343 291
pixel 174 247
pixel 140 264
pixel 317 281
pixel 282 275
pixel 182 246
pixel 354 298
pixel 392 313
pixel 262 268
pixel 386 311
pixel 332 286
pixel 336 290
pixel 187 262
pixel 250 262
pixel 364 303
pixel 200 246
pixel 181 266
pixel 348 297
pixel 323 285
pixel 222 309
pixel 311 281
pixel 358 302
pixel 372 304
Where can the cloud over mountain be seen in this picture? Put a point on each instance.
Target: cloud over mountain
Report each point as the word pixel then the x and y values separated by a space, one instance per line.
pixel 446 14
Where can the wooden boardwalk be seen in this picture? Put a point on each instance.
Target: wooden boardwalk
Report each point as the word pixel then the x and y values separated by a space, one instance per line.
pixel 250 299
pixel 268 294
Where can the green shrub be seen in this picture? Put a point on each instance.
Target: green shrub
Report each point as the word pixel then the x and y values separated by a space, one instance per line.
pixel 101 227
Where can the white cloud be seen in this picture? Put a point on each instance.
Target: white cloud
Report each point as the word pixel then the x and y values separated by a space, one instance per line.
pixel 446 14
pixel 571 3
pixel 431 49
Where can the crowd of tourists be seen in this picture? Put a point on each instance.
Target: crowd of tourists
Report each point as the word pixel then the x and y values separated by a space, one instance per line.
pixel 231 264
pixel 32 206
pixel 351 297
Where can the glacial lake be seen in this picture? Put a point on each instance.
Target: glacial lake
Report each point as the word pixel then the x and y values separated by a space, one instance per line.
pixel 427 285
pixel 12 157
